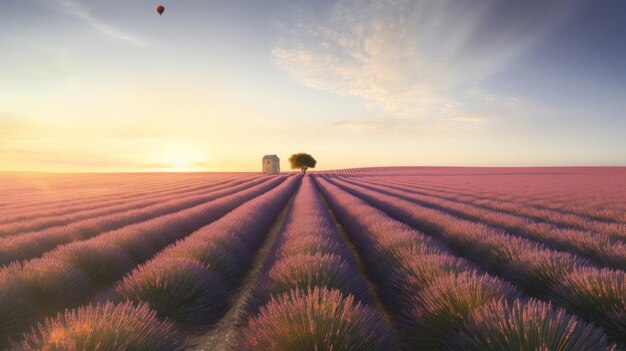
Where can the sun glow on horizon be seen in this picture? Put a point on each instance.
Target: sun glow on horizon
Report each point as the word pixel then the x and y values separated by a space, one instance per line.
pixel 183 157
pixel 181 162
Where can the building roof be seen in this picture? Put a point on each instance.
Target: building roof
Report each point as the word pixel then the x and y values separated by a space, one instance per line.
pixel 270 156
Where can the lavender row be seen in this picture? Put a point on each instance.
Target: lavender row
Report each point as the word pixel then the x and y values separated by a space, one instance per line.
pixel 594 294
pixel 312 286
pixel 514 203
pixel 42 220
pixel 104 327
pixel 68 198
pixel 189 281
pixel 599 186
pixel 590 204
pixel 309 238
pixel 20 227
pixel 463 206
pixel 28 190
pixel 73 272
pixel 30 245
pixel 440 299
pixel 15 215
pixel 605 249
pixel 547 215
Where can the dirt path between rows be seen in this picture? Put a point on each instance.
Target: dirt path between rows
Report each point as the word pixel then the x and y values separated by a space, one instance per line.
pixel 222 335
pixel 377 303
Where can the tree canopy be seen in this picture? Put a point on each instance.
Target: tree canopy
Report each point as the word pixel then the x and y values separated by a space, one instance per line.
pixel 302 161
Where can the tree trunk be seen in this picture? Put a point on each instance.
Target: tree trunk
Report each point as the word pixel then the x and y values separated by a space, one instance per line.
pixel 303 170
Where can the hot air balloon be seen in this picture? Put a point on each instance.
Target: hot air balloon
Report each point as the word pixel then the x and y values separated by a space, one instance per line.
pixel 160 9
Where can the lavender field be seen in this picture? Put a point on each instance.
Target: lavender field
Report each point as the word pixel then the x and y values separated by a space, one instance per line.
pixel 397 258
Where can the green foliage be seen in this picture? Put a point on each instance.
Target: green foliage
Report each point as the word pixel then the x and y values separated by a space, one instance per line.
pixel 302 162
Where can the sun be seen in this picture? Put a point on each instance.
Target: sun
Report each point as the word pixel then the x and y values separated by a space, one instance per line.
pixel 181 161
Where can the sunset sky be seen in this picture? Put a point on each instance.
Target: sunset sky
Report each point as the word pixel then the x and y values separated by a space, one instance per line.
pixel 109 85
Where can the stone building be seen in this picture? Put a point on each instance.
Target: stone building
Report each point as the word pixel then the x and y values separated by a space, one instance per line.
pixel 271 164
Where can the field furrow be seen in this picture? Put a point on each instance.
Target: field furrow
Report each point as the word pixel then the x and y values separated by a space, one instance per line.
pixel 32 212
pixel 311 283
pixel 436 296
pixel 46 219
pixel 604 249
pixel 606 205
pixel 29 245
pixel 594 294
pixel 363 259
pixel 550 216
pixel 72 273
pixel 69 191
pixel 221 335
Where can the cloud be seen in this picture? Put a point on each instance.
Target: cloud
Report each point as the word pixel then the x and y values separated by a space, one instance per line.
pixel 78 10
pixel 415 59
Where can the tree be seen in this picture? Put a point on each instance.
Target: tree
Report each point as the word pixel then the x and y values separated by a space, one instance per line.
pixel 302 161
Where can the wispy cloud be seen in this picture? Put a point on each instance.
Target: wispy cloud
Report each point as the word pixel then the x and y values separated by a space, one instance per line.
pixel 78 10
pixel 416 59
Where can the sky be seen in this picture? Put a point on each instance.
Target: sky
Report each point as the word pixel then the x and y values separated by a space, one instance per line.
pixel 213 85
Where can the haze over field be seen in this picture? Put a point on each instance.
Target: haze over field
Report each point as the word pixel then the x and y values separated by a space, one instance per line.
pixel 214 85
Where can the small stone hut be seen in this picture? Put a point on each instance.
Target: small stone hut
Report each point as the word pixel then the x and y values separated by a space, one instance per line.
pixel 271 164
